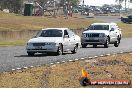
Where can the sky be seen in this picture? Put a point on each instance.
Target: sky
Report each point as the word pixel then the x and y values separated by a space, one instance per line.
pixel 98 2
pixel 102 2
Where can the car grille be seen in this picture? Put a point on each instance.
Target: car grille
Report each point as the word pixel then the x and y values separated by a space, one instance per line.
pixel 38 49
pixel 92 40
pixel 38 44
pixel 92 35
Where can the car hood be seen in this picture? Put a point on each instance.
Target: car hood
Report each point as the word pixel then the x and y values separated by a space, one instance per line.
pixel 45 39
pixel 97 31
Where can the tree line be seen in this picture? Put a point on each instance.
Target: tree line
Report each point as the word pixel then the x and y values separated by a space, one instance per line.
pixel 16 5
pixel 12 5
pixel 121 1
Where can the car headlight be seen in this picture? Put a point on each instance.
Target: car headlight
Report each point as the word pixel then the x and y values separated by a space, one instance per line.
pixel 29 44
pixel 83 35
pixel 102 35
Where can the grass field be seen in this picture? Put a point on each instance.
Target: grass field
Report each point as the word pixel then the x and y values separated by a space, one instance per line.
pixel 13 43
pixel 126 29
pixel 13 22
pixel 17 22
pixel 67 75
pixel 21 26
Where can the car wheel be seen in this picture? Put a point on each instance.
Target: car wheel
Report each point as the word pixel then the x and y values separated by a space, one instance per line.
pixel 75 49
pixel 124 21
pixel 30 54
pixel 116 44
pixel 94 45
pixel 84 45
pixel 106 45
pixel 119 39
pixel 60 50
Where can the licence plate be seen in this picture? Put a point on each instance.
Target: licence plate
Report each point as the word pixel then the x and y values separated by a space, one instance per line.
pixel 92 38
pixel 38 47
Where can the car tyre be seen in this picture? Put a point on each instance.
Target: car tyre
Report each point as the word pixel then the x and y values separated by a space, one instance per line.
pixel 30 54
pixel 75 49
pixel 116 44
pixel 106 45
pixel 84 45
pixel 60 50
pixel 119 39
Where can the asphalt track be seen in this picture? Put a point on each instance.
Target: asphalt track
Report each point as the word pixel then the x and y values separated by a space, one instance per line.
pixel 15 57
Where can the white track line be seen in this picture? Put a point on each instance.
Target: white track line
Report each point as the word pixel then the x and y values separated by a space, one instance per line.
pixel 51 63
pixel 121 52
pixel 13 69
pixel 70 60
pixel 25 67
pixel 31 66
pixel 108 54
pixel 18 68
pixel 82 58
pixel 90 57
pixel 63 61
pixel 58 62
pixel 130 53
pixel 95 56
pixel 101 55
pixel 76 59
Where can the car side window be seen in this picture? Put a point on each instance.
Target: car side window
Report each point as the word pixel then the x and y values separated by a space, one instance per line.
pixel 112 28
pixel 71 33
pixel 65 32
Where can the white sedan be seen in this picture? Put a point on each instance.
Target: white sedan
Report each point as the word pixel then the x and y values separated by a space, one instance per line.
pixel 53 40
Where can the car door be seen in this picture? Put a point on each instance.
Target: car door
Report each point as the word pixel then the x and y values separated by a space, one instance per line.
pixel 112 33
pixel 66 41
pixel 72 39
pixel 115 33
pixel 117 30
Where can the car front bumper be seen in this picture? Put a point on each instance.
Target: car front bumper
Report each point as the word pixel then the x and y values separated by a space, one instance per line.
pixel 41 49
pixel 93 40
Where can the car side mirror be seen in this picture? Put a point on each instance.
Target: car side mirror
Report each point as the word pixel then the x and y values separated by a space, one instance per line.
pixel 112 29
pixel 66 36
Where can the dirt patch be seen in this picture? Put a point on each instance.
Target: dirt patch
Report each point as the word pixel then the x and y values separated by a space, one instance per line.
pixel 67 75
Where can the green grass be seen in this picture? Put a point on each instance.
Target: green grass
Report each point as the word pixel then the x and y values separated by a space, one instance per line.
pixel 126 29
pixel 13 43
pixel 18 22
pixel 15 22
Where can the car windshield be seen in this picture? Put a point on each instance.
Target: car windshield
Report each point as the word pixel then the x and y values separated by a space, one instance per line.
pixel 99 27
pixel 50 33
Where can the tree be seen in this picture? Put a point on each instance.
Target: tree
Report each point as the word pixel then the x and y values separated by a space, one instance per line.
pixel 12 5
pixel 120 1
pixel 75 2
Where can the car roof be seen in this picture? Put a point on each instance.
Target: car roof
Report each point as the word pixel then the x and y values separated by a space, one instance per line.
pixel 104 24
pixel 55 28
